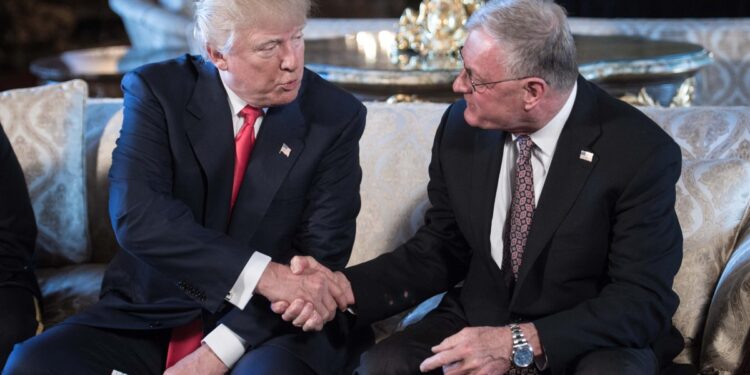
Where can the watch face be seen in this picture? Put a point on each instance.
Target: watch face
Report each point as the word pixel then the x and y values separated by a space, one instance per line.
pixel 523 356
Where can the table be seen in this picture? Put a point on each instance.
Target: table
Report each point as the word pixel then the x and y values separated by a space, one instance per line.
pixel 102 68
pixel 640 70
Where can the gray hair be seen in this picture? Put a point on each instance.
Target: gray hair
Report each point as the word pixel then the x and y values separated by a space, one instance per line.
pixel 216 21
pixel 537 36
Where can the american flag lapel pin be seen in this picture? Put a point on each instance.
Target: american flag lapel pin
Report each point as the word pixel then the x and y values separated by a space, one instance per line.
pixel 285 150
pixel 587 156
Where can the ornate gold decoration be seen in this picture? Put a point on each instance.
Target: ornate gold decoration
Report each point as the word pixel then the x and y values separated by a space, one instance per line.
pixel 437 29
pixel 685 93
pixel 403 98
pixel 683 96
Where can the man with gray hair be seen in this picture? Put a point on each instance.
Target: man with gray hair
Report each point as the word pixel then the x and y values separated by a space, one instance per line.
pixel 226 167
pixel 552 203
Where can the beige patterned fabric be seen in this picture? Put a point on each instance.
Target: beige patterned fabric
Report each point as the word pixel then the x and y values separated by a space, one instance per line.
pixel 707 132
pixel 726 82
pixel 712 202
pixel 717 133
pixel 44 124
pixel 726 342
pixel 394 155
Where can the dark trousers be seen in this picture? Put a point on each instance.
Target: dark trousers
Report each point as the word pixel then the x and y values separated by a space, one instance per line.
pixel 402 352
pixel 17 318
pixel 76 349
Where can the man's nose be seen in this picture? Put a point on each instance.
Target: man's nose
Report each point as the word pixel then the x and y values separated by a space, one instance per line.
pixel 460 84
pixel 289 60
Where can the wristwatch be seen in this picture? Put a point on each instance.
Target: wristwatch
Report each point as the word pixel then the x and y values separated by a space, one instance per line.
pixel 523 355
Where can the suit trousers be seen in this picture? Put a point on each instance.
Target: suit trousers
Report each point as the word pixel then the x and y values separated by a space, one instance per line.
pixel 17 318
pixel 402 352
pixel 78 349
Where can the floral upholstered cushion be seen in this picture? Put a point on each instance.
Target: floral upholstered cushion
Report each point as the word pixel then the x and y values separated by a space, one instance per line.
pixel 44 125
pixel 712 200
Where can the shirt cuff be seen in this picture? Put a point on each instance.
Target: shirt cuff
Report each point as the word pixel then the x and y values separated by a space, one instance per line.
pixel 243 288
pixel 226 344
pixel 540 361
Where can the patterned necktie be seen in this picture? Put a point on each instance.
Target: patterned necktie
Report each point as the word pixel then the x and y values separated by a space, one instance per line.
pixel 185 339
pixel 522 205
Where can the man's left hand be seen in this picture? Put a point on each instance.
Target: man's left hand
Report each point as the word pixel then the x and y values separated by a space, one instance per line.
pixel 473 350
pixel 201 361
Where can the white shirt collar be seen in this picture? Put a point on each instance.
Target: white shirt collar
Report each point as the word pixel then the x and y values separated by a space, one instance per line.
pixel 235 102
pixel 545 139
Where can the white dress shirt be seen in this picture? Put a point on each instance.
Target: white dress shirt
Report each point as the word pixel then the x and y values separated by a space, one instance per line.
pixel 545 142
pixel 226 344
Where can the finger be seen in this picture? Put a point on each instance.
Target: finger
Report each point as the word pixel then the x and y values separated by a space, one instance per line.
pixel 347 295
pixel 299 263
pixel 279 307
pixel 332 283
pixel 448 343
pixel 331 306
pixel 294 310
pixel 439 360
pixel 315 323
pixel 306 313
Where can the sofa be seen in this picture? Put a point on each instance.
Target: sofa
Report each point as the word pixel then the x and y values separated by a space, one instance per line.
pixel 64 142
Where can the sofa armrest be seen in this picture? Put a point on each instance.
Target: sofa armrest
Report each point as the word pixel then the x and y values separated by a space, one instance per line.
pixel 725 338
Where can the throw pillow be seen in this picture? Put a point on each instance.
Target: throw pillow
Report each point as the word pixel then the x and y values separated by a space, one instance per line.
pixel 45 127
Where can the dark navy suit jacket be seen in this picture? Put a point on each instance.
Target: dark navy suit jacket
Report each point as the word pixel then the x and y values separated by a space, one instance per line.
pixel 17 223
pixel 602 251
pixel 171 181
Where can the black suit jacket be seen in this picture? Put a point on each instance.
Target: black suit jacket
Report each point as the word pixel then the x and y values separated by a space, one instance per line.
pixel 602 251
pixel 171 181
pixel 17 224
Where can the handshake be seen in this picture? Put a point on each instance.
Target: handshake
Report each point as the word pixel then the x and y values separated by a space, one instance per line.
pixel 306 293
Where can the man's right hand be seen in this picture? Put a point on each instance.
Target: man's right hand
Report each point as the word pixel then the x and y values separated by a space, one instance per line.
pixel 303 313
pixel 316 288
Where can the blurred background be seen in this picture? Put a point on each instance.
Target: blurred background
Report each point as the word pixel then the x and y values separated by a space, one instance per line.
pixel 30 29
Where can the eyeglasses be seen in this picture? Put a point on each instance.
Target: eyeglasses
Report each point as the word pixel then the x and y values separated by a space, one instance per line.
pixel 480 87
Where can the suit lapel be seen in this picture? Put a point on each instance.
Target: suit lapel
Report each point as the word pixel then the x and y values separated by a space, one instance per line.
pixel 488 156
pixel 567 176
pixel 209 129
pixel 268 167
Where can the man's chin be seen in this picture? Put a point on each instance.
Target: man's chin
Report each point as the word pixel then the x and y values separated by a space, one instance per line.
pixel 284 97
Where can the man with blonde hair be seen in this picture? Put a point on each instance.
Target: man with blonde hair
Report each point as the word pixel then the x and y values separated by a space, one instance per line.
pixel 226 167
pixel 552 204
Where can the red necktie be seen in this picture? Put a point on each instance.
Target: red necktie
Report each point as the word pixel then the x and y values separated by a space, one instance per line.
pixel 522 205
pixel 243 145
pixel 185 339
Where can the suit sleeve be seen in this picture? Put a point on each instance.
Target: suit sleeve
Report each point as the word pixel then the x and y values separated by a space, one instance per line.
pixel 149 222
pixel 326 231
pixel 330 216
pixel 636 306
pixel 432 261
pixel 17 223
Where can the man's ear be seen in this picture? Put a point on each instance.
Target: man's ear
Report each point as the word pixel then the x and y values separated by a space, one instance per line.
pixel 534 91
pixel 216 57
